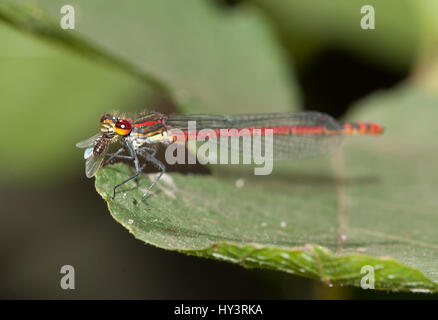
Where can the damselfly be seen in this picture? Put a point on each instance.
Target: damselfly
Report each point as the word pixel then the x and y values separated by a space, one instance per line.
pixel 294 135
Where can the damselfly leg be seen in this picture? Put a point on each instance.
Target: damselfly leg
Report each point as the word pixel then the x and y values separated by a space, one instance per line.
pixel 148 153
pixel 117 155
pixel 151 158
pixel 137 168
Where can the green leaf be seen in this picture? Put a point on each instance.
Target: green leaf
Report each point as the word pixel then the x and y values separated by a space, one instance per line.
pixel 377 208
pixel 206 60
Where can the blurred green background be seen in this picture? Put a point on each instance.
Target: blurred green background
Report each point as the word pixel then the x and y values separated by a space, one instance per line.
pixel 211 56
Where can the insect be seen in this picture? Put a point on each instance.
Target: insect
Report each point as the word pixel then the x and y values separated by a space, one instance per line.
pixel 295 135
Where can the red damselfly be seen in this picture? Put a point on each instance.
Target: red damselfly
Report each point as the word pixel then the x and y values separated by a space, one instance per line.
pixel 295 135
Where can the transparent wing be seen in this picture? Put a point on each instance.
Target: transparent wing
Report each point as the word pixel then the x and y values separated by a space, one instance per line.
pixel 89 142
pixel 92 164
pixel 295 135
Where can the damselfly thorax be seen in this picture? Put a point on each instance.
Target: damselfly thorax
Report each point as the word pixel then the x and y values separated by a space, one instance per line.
pixel 149 129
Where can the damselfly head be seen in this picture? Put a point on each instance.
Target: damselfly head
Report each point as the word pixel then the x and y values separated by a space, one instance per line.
pixel 107 124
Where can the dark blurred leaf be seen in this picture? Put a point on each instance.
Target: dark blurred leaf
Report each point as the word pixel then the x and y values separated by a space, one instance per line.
pixel 208 60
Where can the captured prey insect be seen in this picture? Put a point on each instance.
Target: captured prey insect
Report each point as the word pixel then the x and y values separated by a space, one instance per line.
pixel 295 135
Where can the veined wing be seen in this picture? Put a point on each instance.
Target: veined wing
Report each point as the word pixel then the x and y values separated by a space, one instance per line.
pixel 294 135
pixel 89 142
pixel 92 164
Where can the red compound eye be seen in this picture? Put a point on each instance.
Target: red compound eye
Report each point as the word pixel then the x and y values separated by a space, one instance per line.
pixel 123 127
pixel 104 117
